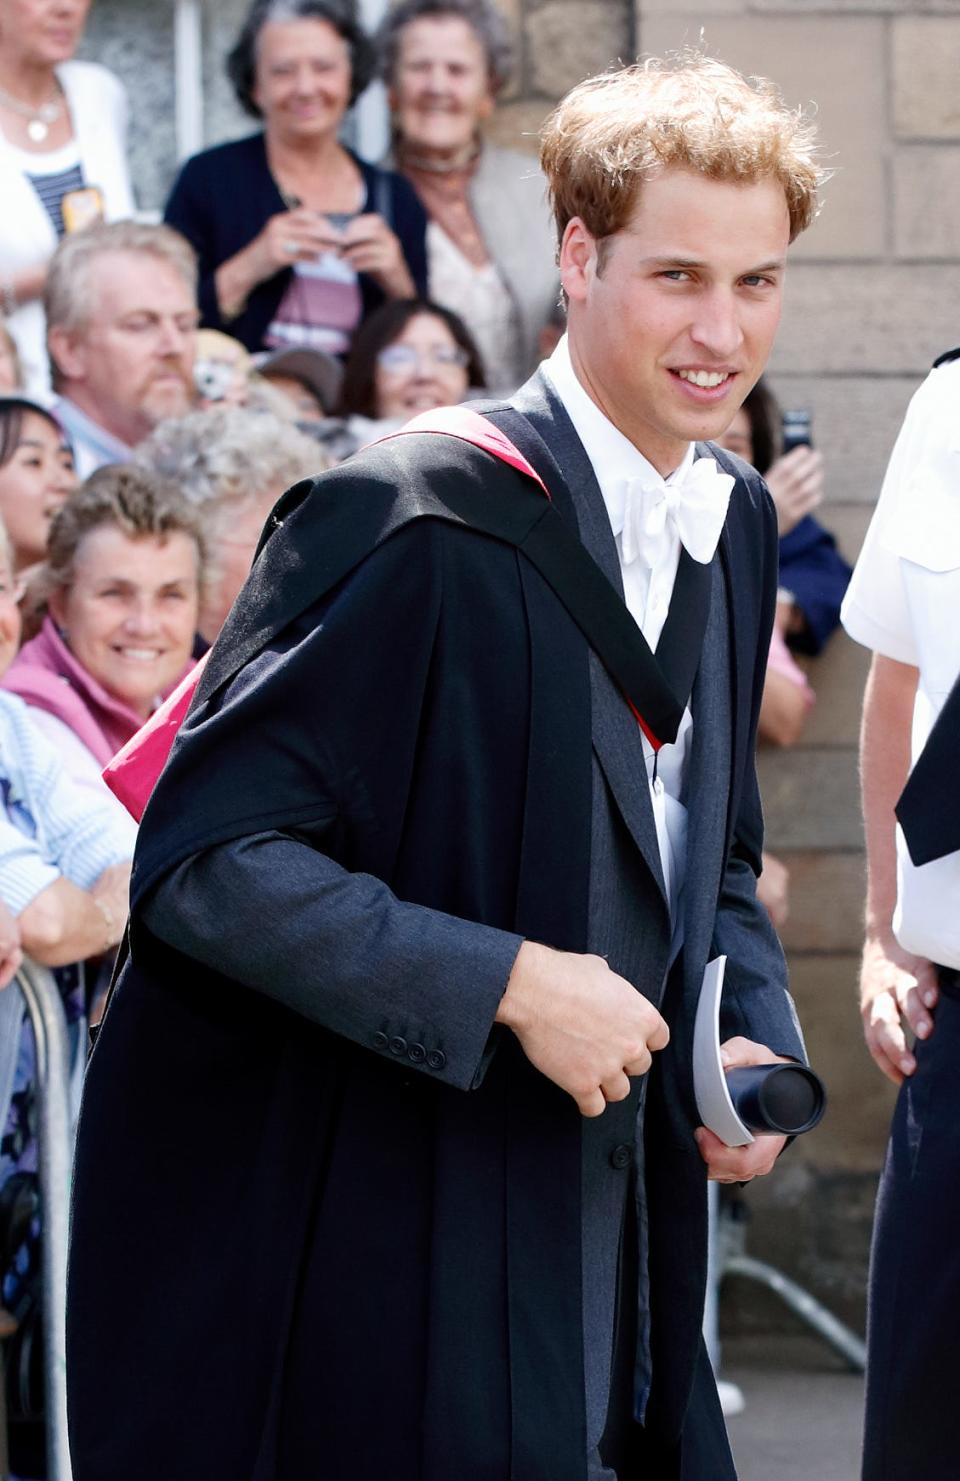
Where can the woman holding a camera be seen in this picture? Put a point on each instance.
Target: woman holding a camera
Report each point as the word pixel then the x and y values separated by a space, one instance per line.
pixel 298 239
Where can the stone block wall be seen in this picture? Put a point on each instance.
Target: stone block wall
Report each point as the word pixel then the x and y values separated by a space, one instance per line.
pixel 873 295
pixel 135 39
pixel 872 298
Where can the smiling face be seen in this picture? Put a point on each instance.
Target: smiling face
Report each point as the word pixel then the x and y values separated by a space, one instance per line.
pixel 441 91
pixel 130 614
pixel 131 364
pixel 302 79
pixel 422 368
pixel 42 32
pixel 671 322
pixel 33 484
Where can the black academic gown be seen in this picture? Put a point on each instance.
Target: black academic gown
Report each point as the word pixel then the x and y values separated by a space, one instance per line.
pixel 325 1222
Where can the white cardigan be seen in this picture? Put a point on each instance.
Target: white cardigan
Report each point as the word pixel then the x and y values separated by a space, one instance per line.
pixel 98 108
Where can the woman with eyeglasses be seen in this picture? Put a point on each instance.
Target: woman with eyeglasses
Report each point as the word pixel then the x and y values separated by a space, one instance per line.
pixel 410 356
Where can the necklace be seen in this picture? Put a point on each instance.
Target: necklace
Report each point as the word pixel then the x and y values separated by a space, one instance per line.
pixel 40 118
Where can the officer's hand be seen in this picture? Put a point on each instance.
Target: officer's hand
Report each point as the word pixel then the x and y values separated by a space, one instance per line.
pixel 740 1164
pixel 895 985
pixel 584 1027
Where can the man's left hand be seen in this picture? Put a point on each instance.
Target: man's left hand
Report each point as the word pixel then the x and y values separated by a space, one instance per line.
pixel 740 1164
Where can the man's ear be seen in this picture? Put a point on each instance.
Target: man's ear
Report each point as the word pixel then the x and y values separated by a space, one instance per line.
pixel 68 353
pixel 578 260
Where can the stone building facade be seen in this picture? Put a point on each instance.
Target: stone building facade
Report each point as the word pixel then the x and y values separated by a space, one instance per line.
pixel 873 295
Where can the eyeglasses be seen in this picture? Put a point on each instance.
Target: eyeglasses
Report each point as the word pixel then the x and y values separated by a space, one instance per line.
pixel 399 358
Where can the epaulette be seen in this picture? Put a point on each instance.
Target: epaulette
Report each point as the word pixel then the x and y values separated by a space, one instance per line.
pixel 945 359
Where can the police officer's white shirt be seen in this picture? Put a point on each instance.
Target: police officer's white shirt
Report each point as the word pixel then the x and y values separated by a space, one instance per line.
pixel 904 603
pixel 647 589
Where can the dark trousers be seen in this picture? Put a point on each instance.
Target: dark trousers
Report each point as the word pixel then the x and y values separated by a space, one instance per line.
pixel 629 1453
pixel 912 1430
pixel 702 1455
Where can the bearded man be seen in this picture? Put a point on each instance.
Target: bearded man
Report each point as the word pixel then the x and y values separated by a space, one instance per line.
pixel 121 307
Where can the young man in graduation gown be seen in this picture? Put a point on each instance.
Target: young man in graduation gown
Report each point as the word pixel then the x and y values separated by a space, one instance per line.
pixel 389 1162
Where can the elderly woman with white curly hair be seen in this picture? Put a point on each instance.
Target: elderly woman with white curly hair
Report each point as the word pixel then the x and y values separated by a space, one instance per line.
pixel 233 465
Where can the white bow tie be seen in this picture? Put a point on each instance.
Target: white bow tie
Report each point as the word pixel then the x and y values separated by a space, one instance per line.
pixel 696 504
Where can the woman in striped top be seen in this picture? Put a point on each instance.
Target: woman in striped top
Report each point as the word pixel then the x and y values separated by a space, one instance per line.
pixel 62 157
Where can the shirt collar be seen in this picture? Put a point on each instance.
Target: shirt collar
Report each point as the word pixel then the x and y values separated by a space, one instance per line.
pixel 83 429
pixel 613 456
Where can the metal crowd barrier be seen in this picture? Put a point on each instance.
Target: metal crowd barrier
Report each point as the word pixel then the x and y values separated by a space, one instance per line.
pixel 55 1137
pixel 728 1256
pixel 733 1260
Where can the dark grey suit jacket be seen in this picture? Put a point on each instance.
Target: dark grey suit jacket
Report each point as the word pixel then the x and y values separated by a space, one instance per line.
pixel 629 921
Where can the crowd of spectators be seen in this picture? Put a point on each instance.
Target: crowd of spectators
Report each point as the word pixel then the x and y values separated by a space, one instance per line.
pixel 161 385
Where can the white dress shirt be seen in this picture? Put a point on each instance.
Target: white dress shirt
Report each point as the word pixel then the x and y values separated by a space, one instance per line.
pixel 621 470
pixel 903 602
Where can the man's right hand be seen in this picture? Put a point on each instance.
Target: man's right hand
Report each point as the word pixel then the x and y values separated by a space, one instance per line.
pixel 894 985
pixel 584 1027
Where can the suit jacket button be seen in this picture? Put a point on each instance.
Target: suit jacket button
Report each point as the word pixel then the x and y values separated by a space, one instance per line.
pixel 416 1053
pixel 380 1040
pixel 436 1059
pixel 398 1045
pixel 621 1156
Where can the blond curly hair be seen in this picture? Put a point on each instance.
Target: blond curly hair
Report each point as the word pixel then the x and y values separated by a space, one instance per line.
pixel 683 111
